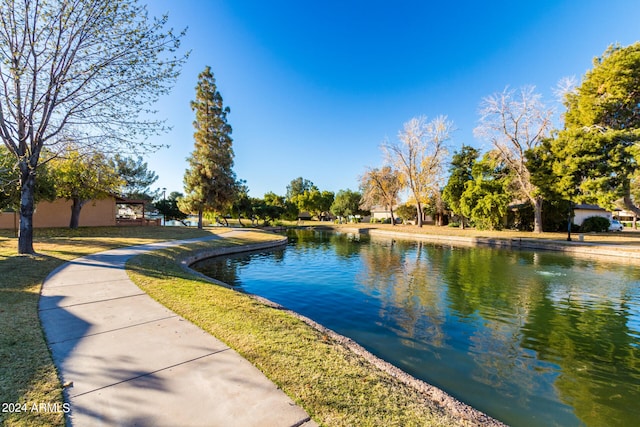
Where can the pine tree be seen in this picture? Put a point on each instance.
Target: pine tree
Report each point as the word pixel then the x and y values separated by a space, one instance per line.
pixel 209 182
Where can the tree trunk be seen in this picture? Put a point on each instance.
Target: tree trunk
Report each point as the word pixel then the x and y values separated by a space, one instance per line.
pixel 393 220
pixel 628 203
pixel 419 211
pixel 27 206
pixel 200 219
pixel 76 207
pixel 537 209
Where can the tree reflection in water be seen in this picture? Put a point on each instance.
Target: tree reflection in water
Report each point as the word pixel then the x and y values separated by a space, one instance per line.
pixel 531 338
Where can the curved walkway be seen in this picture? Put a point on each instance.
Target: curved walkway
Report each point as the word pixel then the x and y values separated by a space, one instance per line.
pixel 126 360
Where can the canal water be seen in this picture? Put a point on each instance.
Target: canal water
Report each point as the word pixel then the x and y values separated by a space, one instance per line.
pixel 530 338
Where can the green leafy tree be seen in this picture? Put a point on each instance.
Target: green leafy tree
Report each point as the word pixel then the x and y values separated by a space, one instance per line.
pixel 487 197
pixel 272 207
pixel 86 69
pixel 210 182
pixel 241 206
pixel 381 187
pixel 461 172
pixel 168 207
pixel 82 178
pixel 136 176
pixel 298 186
pixel 325 201
pixel 589 165
pixel 597 153
pixel 314 201
pixel 289 209
pixel 406 211
pixel 10 182
pixel 346 203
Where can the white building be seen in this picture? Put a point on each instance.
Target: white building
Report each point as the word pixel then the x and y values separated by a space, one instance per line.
pixel 584 211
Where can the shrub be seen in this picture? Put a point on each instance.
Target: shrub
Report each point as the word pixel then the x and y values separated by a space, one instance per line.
pixel 595 223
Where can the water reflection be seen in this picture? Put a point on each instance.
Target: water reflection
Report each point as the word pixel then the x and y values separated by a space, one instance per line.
pixel 530 338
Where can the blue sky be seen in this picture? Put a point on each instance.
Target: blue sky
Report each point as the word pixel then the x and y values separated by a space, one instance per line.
pixel 315 87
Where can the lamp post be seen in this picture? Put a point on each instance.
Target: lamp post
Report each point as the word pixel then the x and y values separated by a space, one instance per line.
pixel 569 221
pixel 164 206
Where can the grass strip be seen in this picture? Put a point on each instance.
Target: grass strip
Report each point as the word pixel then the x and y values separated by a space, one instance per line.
pixel 334 385
pixel 27 374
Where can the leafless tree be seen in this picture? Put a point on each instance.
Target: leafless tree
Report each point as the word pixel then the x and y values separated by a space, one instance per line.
pixel 420 155
pixel 514 122
pixel 82 68
pixel 380 187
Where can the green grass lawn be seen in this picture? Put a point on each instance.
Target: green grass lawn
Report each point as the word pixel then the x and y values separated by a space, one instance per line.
pixel 27 374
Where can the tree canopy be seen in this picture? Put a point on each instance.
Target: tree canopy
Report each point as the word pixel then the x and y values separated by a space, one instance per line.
pixel 298 186
pixel 168 207
pixel 81 177
pixel 137 178
pixel 85 70
pixel 608 96
pixel 487 196
pixel 595 157
pixel 460 172
pixel 346 203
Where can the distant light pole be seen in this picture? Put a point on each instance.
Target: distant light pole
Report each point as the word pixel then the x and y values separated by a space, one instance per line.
pixel 164 206
pixel 569 215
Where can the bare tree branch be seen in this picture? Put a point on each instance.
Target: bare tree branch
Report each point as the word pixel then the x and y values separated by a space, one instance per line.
pixel 515 122
pixel 84 67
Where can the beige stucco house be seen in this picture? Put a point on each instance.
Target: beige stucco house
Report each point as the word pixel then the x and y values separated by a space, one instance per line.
pixel 94 213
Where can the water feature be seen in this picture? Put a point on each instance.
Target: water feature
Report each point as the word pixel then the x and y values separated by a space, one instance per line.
pixel 531 338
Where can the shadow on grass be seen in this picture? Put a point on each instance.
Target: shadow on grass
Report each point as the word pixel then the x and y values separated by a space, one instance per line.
pixel 27 374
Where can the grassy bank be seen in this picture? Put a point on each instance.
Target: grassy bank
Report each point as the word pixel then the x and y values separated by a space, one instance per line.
pixel 334 385
pixel 628 237
pixel 27 374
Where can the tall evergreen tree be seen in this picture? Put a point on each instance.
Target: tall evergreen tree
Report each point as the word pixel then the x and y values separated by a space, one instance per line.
pixel 210 182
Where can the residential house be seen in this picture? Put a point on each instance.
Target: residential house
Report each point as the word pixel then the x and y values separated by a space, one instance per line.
pixel 584 211
pixel 95 213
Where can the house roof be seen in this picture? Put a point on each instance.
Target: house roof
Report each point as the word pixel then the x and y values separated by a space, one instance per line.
pixel 123 200
pixel 585 206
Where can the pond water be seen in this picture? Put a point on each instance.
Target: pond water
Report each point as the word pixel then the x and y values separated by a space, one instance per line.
pixel 530 338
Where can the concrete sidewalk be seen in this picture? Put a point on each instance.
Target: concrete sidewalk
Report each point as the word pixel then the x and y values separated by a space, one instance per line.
pixel 133 362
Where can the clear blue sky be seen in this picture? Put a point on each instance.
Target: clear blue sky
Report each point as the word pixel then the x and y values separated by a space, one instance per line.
pixel 315 87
